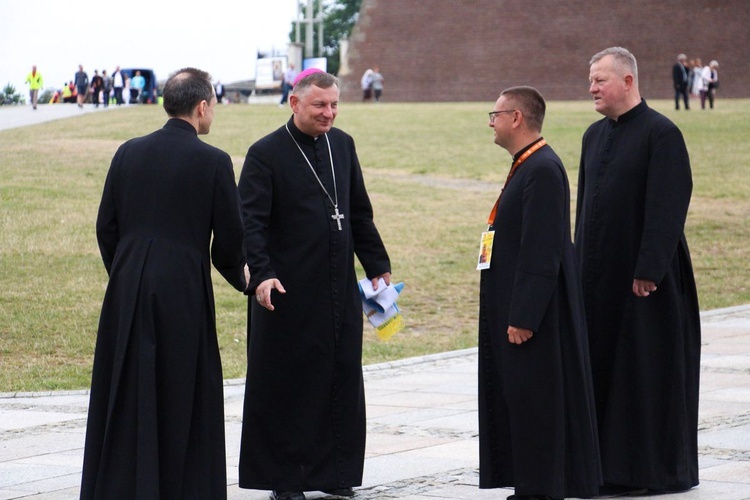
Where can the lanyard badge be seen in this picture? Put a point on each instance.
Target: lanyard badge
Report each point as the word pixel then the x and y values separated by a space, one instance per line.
pixel 488 237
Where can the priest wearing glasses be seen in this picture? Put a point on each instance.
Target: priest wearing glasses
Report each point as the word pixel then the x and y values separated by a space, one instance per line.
pixel 537 424
pixel 306 214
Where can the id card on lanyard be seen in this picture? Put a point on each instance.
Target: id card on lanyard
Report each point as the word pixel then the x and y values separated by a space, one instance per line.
pixel 485 250
pixel 488 237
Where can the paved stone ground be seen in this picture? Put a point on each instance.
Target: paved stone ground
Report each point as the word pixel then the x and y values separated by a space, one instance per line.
pixel 422 439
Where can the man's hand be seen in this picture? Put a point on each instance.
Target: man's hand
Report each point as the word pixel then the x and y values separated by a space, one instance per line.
pixel 386 277
pixel 643 288
pixel 247 276
pixel 518 335
pixel 263 292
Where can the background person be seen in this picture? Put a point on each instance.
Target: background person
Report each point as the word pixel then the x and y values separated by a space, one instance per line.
pixel 537 423
pixel 696 78
pixel 126 91
pixel 68 93
pixel 642 311
pixel 118 84
pixel 306 213
pixel 219 88
pixel 710 76
pixel 97 84
pixel 680 78
pixel 287 83
pixel 366 84
pixel 377 83
pixel 169 209
pixel 81 80
pixel 106 88
pixel 35 81
pixel 137 85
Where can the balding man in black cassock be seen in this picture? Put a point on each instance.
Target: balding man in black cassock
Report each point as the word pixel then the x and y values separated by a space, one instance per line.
pixel 306 213
pixel 537 424
pixel 641 303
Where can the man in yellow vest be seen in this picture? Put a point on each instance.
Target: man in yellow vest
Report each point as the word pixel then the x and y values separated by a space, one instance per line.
pixel 67 93
pixel 35 82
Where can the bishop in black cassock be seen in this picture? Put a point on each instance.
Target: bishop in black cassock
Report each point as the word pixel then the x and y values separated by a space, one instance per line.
pixel 304 414
pixel 641 303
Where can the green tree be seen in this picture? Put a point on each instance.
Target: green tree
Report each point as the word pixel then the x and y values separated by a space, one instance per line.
pixel 10 96
pixel 339 18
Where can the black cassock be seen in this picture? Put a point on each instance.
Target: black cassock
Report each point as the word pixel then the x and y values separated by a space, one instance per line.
pixel 156 414
pixel 537 427
pixel 304 415
pixel 633 195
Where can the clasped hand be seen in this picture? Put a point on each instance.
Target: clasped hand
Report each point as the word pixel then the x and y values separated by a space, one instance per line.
pixel 518 335
pixel 643 288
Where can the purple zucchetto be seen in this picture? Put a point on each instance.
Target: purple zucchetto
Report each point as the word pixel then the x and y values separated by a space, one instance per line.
pixel 307 72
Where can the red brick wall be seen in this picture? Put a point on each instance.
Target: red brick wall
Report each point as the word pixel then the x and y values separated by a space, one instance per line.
pixel 469 50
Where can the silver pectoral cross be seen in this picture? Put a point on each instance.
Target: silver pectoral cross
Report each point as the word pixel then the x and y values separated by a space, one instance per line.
pixel 337 217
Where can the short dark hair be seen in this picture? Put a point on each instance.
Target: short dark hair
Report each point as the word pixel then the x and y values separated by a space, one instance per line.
pixel 530 102
pixel 185 89
pixel 319 79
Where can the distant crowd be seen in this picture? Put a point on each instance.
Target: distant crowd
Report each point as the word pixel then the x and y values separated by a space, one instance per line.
pixel 121 87
pixel 691 77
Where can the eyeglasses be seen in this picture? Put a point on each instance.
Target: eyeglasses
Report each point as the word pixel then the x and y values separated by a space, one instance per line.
pixel 493 114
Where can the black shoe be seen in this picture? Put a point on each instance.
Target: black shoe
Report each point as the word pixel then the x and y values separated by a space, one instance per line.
pixel 340 492
pixel 287 495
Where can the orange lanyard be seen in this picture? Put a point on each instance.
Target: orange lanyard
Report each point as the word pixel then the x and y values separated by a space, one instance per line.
pixel 533 149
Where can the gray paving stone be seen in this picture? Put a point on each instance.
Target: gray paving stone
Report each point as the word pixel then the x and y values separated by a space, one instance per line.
pixel 411 416
pixel 27 477
pixel 13 419
pixel 734 438
pixel 39 444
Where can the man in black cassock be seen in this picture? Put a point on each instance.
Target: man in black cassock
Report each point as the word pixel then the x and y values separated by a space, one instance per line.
pixel 537 427
pixel 306 214
pixel 641 303
pixel 156 415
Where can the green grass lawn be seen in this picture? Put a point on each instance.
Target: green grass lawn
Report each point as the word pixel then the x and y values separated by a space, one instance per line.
pixel 433 173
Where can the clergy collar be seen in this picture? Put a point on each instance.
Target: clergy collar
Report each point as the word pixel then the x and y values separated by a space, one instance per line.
pixel 523 150
pixel 180 123
pixel 298 135
pixel 632 112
